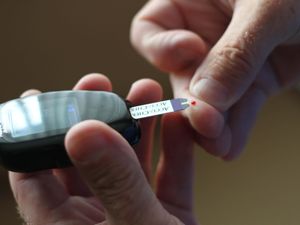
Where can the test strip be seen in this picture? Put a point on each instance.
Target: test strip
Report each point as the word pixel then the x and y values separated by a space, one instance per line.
pixel 158 108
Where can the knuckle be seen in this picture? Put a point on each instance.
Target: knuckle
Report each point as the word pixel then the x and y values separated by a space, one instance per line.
pixel 237 58
pixel 237 62
pixel 177 51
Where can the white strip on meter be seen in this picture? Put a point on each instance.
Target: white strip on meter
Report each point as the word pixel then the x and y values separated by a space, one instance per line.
pixel 158 108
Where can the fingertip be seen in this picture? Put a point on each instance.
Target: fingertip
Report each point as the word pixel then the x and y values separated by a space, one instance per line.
pixel 242 118
pixel 94 81
pixel 144 91
pixel 176 51
pixel 220 146
pixel 211 91
pixel 238 144
pixel 205 119
pixel 231 157
pixel 235 151
pixel 30 92
pixel 84 139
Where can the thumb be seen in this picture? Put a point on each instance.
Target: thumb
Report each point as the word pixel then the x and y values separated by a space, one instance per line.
pixel 110 168
pixel 232 64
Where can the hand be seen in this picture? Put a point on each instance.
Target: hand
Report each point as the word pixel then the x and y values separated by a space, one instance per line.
pixel 117 190
pixel 229 55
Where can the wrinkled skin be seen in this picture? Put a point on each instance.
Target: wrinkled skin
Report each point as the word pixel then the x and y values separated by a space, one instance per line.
pixel 242 52
pixel 110 183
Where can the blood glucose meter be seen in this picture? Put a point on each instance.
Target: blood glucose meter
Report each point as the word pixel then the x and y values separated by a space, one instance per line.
pixel 32 129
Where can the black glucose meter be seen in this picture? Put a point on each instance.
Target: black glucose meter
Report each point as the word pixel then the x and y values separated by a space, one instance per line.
pixel 32 129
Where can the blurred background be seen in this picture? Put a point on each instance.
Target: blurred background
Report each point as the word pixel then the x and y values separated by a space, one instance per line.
pixel 49 45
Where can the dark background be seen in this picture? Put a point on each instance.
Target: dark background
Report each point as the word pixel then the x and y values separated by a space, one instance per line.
pixel 49 45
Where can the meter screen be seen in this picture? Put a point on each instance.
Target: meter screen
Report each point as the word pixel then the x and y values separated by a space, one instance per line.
pixel 30 116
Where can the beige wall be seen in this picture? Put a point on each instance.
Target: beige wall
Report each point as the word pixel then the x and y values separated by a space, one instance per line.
pixel 51 44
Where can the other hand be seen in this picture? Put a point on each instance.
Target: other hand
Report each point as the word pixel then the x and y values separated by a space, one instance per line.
pixel 229 56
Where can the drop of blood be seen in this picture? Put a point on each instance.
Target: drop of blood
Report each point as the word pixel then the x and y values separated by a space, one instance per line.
pixel 193 103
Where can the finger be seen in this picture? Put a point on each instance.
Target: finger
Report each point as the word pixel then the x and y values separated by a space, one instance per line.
pixel 94 81
pixel 241 121
pixel 111 169
pixel 41 197
pixel 211 131
pixel 30 92
pixel 232 64
pixel 242 118
pixel 231 142
pixel 69 177
pixel 142 92
pixel 219 146
pixel 285 61
pixel 36 192
pixel 159 33
pixel 175 172
pixel 205 119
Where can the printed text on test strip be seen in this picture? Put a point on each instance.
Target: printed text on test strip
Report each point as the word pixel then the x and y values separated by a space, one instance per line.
pixel 158 108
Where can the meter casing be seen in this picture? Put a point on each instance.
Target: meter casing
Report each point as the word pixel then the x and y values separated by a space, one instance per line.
pixel 33 128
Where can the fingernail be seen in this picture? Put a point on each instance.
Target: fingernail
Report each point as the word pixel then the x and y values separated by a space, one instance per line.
pixel 211 91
